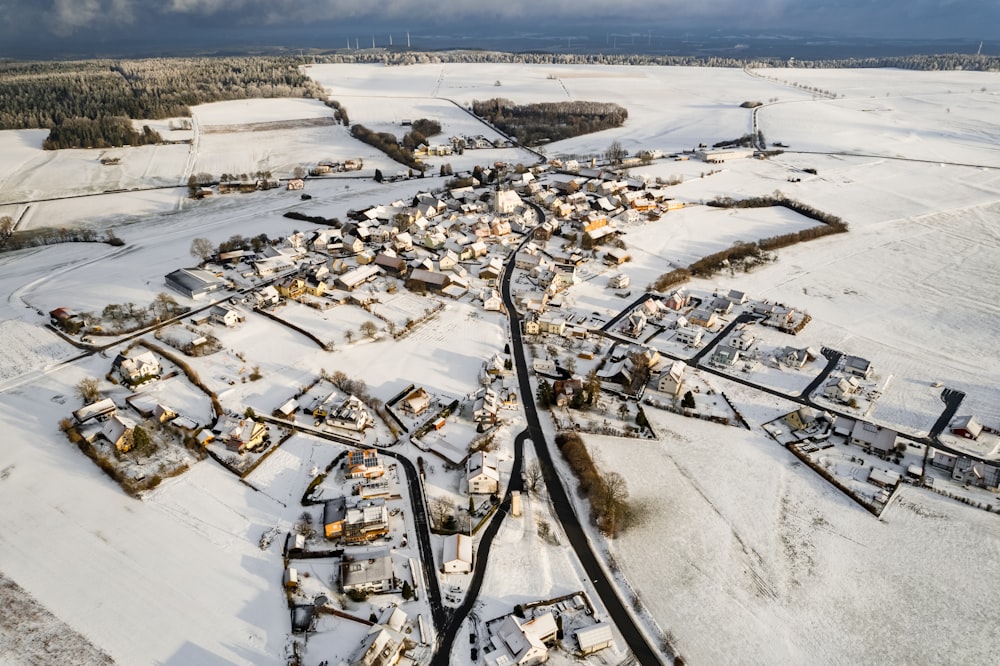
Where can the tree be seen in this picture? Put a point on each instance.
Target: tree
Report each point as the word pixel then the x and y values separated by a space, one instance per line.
pixel 407 590
pixel 688 401
pixel 592 385
pixel 88 390
pixel 142 444
pixel 164 305
pixel 614 493
pixel 349 335
pixel 615 153
pixel 545 394
pixel 440 511
pixel 202 249
pixel 378 176
pixel 533 476
pixel 368 329
pixel 298 172
pixel 6 226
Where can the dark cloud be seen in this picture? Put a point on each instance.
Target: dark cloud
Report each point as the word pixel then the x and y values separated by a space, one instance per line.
pixel 100 26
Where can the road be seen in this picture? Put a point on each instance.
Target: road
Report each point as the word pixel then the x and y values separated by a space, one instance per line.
pixel 644 652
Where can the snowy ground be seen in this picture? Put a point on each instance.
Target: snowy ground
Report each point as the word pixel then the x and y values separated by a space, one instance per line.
pixel 745 556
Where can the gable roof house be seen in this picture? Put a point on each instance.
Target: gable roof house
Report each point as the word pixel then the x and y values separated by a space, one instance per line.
pixel 671 380
pixel 193 282
pixel 857 366
pixel 136 369
pixel 226 315
pixel 841 390
pixel 875 437
pixel 457 554
pixel 118 431
pixel 517 642
pixel 967 426
pixel 241 435
pixel 416 402
pixel 363 464
pixel 482 474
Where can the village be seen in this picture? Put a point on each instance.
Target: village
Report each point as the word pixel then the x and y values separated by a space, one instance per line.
pixel 356 561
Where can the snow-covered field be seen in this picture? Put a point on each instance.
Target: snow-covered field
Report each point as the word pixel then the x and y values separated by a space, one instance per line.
pixel 745 556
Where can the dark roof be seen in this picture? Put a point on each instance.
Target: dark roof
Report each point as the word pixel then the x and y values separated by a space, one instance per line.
pixel 334 510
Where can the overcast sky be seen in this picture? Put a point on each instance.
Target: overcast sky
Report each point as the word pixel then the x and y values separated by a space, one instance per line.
pixel 58 26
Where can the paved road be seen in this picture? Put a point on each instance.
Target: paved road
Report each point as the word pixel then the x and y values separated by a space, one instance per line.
pixel 606 589
pixel 832 359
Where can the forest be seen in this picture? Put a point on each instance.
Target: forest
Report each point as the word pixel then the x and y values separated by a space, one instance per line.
pixel 535 124
pixel 62 96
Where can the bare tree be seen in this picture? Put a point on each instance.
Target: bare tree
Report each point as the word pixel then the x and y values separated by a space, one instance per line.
pixel 349 335
pixel 369 329
pixel 615 153
pixel 533 476
pixel 440 510
pixel 202 249
pixel 164 305
pixel 298 172
pixel 6 226
pixel 614 494
pixel 88 390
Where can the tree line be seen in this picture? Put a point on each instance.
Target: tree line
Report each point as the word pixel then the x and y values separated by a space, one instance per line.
pixel 535 124
pixel 388 144
pixel 60 95
pixel 928 62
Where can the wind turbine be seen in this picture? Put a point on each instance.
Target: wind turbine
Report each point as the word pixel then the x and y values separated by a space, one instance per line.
pixel 980 51
pixel 407 39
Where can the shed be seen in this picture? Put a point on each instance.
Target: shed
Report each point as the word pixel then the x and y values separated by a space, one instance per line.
pixel 594 638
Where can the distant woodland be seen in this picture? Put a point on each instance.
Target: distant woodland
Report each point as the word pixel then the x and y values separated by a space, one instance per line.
pixel 84 103
pixel 535 124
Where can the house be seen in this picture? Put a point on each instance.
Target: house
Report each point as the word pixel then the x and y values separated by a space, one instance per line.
pixel 291 288
pixel 241 435
pixel 725 356
pixel 634 324
pixel 457 554
pixel 101 410
pixel 351 414
pixel 858 367
pixel 878 439
pixel 842 390
pixel 737 297
pixel 980 473
pixel 517 642
pixel 193 282
pixel 565 389
pixel 702 316
pixel 417 402
pixel 482 474
pixel 296 184
pixel 367 575
pixel 619 281
pixel 671 380
pixel 801 418
pixel 390 264
pixel 506 202
pixel 314 286
pixel 689 336
pixel 967 426
pixel 554 325
pixel 118 431
pixel 136 369
pixel 366 521
pixel 291 577
pixel 744 341
pixel 226 315
pixel 492 301
pixel 794 358
pixel 334 514
pixel 883 478
pixel 363 464
pixel 266 297
pixel 677 300
pixel 594 638
pixel 383 646
pixel 352 244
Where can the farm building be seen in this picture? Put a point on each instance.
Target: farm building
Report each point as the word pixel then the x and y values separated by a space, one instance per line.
pixel 594 638
pixel 193 282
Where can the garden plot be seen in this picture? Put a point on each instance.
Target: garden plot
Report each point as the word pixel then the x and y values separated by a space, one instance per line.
pixel 336 326
pixel 400 308
pixel 287 471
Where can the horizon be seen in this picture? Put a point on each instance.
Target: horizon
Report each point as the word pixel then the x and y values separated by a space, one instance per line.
pixel 809 29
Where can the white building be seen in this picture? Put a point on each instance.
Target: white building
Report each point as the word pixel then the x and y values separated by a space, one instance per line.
pixel 516 642
pixel 457 554
pixel 482 474
pixel 594 638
